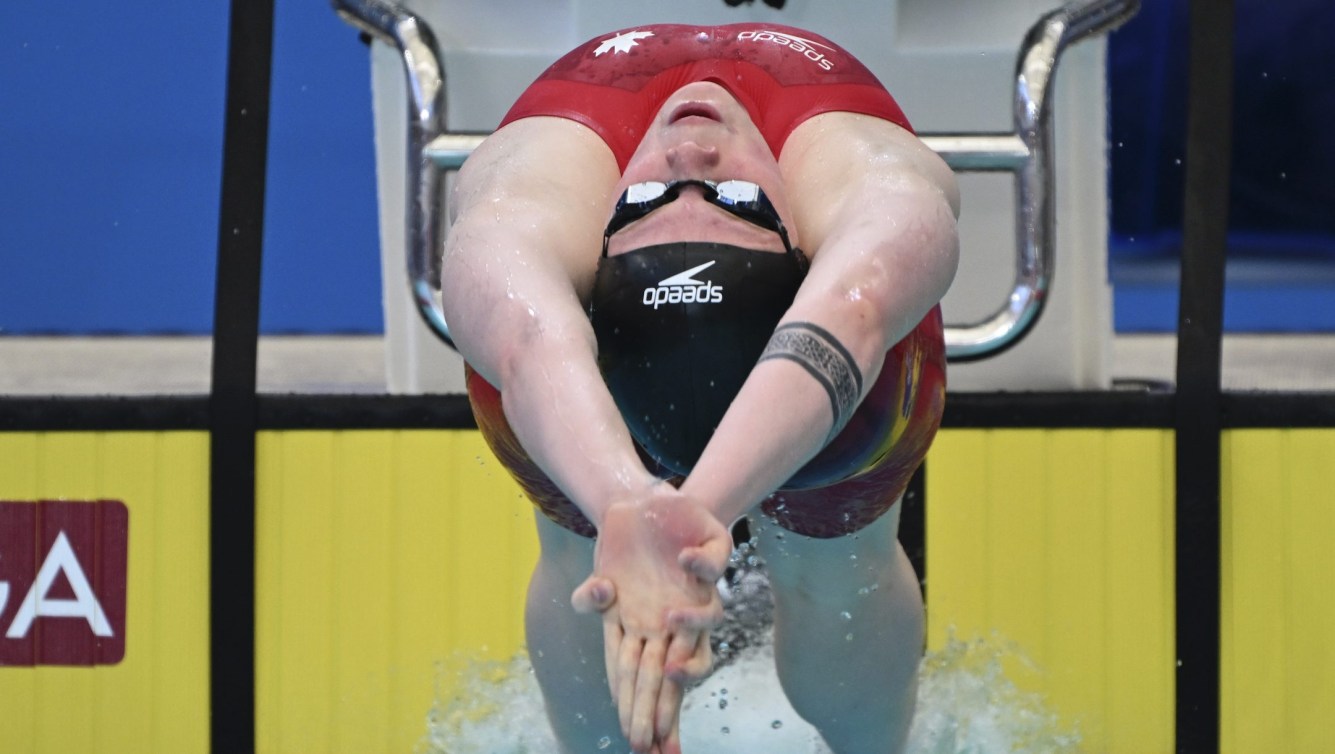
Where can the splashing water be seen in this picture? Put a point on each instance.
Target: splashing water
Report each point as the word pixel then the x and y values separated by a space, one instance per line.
pixel 966 704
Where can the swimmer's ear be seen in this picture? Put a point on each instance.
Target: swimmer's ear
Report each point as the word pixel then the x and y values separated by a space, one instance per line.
pixel 595 595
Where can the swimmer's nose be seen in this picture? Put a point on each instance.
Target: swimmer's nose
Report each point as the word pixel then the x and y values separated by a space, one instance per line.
pixel 689 159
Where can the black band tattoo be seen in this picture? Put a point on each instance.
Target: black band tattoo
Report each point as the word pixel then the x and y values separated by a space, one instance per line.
pixel 825 359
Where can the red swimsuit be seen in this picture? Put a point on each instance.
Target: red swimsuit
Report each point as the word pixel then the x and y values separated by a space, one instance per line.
pixel 615 84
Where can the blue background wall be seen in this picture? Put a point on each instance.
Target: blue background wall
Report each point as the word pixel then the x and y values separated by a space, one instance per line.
pixel 111 119
pixel 111 138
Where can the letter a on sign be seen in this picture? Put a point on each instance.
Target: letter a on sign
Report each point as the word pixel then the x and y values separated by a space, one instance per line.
pixel 60 560
pixel 63 582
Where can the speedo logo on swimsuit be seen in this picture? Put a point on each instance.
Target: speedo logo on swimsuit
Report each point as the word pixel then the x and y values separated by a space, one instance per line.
pixel 797 44
pixel 683 288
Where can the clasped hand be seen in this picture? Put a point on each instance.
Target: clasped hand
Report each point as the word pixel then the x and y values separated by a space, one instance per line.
pixel 656 564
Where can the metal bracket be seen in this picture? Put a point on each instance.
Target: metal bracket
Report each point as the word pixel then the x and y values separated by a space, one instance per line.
pixel 1027 153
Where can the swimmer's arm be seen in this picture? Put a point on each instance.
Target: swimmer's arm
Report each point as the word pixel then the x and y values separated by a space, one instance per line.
pixel 886 251
pixel 529 208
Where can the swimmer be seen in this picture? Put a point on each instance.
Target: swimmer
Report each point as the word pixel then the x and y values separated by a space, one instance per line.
pixel 695 275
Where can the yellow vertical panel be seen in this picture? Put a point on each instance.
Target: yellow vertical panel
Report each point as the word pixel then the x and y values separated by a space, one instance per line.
pixel 67 464
pixel 156 698
pixel 1278 610
pixel 1253 599
pixel 957 533
pixel 421 564
pixel 18 686
pixel 1139 612
pixel 1076 562
pixel 1075 550
pixel 382 555
pixel 1016 563
pixel 363 511
pixel 295 661
pixel 1310 563
pixel 485 580
pixel 180 602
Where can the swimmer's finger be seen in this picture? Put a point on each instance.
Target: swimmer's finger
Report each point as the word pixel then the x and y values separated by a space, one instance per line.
pixel 595 595
pixel 671 744
pixel 628 668
pixel 693 619
pixel 648 685
pixel 680 650
pixel 693 665
pixel 612 638
pixel 668 713
pixel 707 562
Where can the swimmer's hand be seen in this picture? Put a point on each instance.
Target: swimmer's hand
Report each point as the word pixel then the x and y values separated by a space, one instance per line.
pixel 655 567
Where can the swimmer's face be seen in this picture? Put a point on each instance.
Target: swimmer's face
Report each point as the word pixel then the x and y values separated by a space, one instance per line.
pixel 702 133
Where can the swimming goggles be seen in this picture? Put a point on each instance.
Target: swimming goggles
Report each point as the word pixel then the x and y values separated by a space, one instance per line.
pixel 741 198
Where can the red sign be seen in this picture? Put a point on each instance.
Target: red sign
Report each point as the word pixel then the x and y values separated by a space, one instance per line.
pixel 62 582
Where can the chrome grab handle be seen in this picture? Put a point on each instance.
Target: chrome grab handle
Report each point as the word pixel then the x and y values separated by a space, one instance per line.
pixel 412 37
pixel 1027 153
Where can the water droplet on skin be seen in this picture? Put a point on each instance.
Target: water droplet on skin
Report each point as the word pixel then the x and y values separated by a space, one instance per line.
pixel 723 691
pixel 848 637
pixel 604 742
pixel 845 615
pixel 725 730
pixel 776 724
pixel 723 704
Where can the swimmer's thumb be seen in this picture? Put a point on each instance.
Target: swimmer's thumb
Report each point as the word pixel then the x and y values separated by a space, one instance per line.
pixel 595 595
pixel 707 562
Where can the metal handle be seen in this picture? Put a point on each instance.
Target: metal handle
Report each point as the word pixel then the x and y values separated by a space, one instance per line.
pixel 411 36
pixel 1027 153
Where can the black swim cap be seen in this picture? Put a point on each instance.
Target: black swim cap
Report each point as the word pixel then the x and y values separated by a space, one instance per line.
pixel 679 328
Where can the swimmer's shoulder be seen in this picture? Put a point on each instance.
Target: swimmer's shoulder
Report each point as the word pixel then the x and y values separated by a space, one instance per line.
pixel 542 159
pixel 833 144
pixel 835 153
pixel 539 188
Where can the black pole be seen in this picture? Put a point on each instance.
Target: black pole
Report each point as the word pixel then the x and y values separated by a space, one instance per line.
pixel 232 404
pixel 1200 334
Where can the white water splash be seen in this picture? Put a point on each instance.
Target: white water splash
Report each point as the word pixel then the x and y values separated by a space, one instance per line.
pixel 966 704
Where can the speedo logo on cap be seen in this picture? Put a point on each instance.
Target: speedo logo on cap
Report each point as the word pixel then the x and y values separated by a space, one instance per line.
pixel 683 288
pixel 797 44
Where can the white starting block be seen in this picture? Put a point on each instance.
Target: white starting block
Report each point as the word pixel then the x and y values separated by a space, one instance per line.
pixel 1034 192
